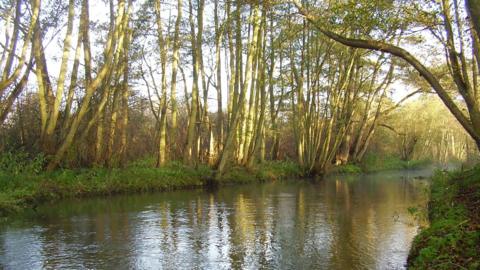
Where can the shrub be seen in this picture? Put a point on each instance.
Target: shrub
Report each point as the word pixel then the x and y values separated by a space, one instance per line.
pixel 347 169
pixel 21 162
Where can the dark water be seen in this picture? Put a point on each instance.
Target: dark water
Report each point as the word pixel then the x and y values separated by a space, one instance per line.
pixel 339 223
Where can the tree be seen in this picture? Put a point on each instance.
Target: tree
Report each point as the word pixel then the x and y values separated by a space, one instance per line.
pixel 237 106
pixel 14 74
pixel 464 74
pixel 113 45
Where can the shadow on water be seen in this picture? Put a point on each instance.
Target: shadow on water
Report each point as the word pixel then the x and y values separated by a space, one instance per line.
pixel 342 222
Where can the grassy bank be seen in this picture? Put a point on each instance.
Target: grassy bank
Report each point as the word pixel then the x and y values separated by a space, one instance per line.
pixel 374 163
pixel 25 189
pixel 453 239
pixel 23 184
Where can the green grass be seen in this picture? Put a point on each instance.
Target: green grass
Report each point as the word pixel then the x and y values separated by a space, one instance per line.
pixel 26 190
pixel 375 163
pixel 453 239
pixel 266 171
pixel 19 190
pixel 347 169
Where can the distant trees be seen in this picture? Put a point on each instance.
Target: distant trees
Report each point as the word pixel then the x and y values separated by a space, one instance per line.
pixel 421 134
pixel 459 36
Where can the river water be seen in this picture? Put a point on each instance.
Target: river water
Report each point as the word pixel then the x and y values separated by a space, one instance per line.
pixel 343 222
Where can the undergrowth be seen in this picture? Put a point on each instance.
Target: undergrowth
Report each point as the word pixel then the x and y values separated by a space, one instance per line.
pixel 25 185
pixel 453 239
pixel 375 163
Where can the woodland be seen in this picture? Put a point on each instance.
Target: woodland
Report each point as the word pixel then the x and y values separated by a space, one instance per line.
pixel 122 96
pixel 238 83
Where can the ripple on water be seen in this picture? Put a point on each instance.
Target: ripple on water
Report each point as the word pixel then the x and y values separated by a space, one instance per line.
pixel 334 224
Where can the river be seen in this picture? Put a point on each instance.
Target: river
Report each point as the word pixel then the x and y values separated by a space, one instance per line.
pixel 342 222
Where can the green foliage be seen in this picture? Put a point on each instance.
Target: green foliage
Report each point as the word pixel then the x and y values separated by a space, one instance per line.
pixel 453 239
pixel 348 169
pixel 274 170
pixel 25 189
pixel 238 174
pixel 419 214
pixel 365 16
pixel 265 171
pixel 146 162
pixel 20 162
pixel 375 163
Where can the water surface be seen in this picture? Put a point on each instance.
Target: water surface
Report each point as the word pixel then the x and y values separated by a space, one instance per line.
pixel 342 222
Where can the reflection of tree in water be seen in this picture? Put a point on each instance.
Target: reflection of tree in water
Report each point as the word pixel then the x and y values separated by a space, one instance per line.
pixel 334 224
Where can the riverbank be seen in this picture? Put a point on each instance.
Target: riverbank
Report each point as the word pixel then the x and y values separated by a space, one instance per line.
pixel 24 185
pixel 23 190
pixel 374 163
pixel 452 241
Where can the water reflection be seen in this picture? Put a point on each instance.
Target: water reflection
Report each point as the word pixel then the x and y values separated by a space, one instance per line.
pixel 339 223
